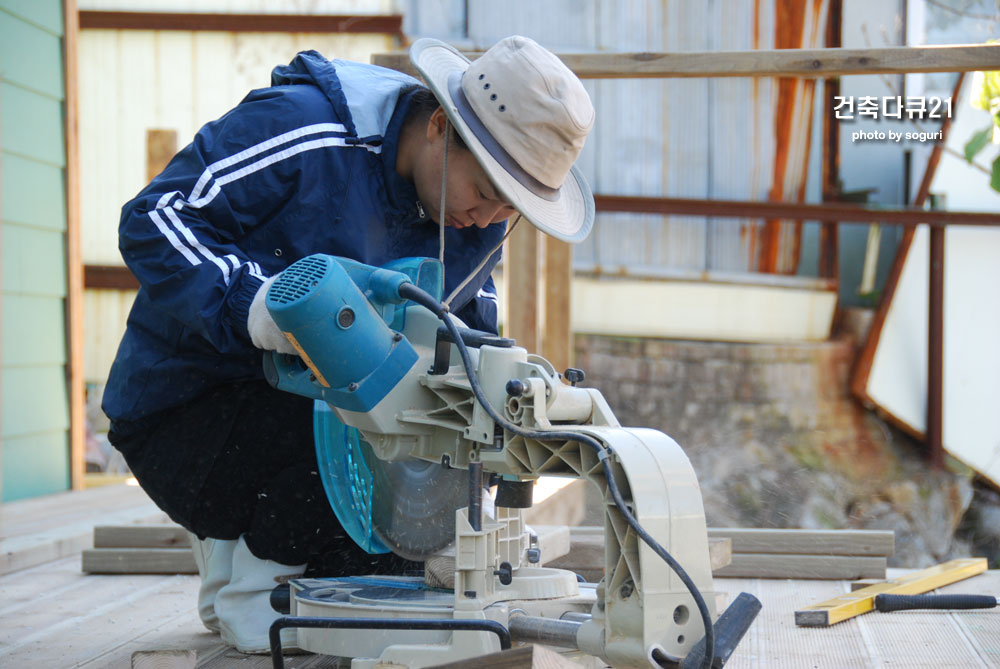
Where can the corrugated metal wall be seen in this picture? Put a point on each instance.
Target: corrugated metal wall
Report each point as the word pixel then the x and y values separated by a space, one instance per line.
pixel 700 138
pixel 34 400
pixel 132 81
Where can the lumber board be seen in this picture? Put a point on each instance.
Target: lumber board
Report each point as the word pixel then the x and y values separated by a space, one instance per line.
pixel 525 657
pixel 810 63
pixel 771 565
pixel 93 505
pixel 586 553
pixel 165 535
pixel 808 542
pixel 138 561
pixel 861 601
pixel 164 659
pixel 21 552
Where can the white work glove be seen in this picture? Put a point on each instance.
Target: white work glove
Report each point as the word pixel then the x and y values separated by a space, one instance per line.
pixel 264 332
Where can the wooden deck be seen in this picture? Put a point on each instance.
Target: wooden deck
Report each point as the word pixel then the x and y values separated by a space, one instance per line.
pixel 53 615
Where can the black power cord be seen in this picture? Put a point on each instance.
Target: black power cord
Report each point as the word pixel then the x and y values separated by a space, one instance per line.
pixel 424 299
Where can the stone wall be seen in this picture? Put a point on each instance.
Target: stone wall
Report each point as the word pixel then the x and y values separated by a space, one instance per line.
pixel 776 440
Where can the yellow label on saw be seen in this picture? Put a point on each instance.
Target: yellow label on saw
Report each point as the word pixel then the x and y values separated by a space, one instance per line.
pixel 305 358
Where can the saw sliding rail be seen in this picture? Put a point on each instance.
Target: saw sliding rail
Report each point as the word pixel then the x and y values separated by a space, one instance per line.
pixel 289 622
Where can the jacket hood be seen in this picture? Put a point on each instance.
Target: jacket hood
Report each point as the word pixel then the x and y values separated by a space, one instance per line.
pixel 351 87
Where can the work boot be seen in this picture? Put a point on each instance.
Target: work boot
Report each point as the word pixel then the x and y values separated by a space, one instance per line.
pixel 244 604
pixel 214 558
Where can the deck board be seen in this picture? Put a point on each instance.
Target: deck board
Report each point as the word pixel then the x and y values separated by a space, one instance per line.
pixel 54 615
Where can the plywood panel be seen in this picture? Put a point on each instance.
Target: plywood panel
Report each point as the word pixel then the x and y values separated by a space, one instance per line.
pixel 104 315
pixel 101 197
pixel 32 331
pixel 42 71
pixel 35 464
pixel 29 193
pixel 898 378
pixel 133 81
pixel 31 124
pixel 34 401
pixel 33 261
pixel 689 310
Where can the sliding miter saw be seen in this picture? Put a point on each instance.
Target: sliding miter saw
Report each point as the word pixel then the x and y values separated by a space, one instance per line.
pixel 415 415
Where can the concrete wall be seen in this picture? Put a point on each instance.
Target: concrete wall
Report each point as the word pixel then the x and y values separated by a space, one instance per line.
pixel 776 441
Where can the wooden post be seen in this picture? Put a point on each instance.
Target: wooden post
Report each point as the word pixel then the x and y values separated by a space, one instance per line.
pixel 557 334
pixel 521 294
pixel 74 261
pixel 935 348
pixel 161 145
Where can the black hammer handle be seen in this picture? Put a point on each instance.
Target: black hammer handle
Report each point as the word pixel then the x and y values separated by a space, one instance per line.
pixel 887 603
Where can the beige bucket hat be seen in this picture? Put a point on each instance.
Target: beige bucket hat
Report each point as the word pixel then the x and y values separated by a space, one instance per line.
pixel 525 117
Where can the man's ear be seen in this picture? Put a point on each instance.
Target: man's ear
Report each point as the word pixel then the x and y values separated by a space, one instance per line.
pixel 436 124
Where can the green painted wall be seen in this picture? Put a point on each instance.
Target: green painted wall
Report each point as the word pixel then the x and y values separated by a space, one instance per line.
pixel 34 401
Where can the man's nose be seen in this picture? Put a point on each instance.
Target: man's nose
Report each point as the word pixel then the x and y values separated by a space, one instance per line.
pixel 484 214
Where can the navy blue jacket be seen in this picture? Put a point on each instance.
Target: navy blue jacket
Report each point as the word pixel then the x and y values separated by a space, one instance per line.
pixel 305 166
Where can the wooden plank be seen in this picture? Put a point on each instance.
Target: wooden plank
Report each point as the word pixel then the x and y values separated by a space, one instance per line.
pixel 861 601
pixel 525 657
pixel 109 277
pixel 830 211
pixel 720 552
pixel 240 22
pixel 165 535
pixel 34 400
pixel 89 507
pixel 138 561
pixel 47 15
pixel 23 273
pixel 35 463
pixel 164 659
pixel 557 335
pixel 586 553
pixel 74 261
pixel 521 290
pixel 32 124
pixel 42 71
pixel 771 565
pixel 161 145
pixel 21 552
pixel 23 179
pixel 619 308
pixel 33 330
pixel 764 63
pixel 808 542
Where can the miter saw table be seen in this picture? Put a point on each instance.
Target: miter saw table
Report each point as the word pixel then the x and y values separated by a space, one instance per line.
pixel 414 416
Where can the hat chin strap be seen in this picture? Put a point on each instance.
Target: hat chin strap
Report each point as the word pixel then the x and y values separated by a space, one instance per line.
pixel 444 194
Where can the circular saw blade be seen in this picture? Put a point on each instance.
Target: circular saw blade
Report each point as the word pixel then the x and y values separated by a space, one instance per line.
pixel 413 504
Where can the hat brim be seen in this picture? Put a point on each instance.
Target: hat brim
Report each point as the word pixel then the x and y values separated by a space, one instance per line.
pixel 568 217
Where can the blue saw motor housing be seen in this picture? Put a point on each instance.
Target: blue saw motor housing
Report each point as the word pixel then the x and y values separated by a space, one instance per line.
pixel 345 317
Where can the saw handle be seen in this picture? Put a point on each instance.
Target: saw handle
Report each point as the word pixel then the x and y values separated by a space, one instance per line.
pixel 886 603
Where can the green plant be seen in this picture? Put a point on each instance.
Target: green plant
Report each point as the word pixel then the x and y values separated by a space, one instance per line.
pixel 986 96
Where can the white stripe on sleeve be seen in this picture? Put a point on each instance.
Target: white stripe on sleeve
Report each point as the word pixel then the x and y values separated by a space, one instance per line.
pixel 193 241
pixel 256 149
pixel 270 160
pixel 172 238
